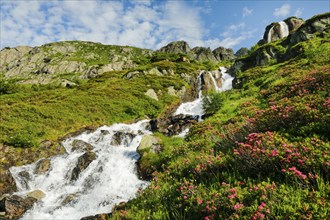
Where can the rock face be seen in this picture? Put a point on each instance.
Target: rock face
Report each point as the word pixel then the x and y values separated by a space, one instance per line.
pixel 15 206
pixel 83 60
pixel 176 47
pixel 83 162
pixel 223 54
pixel 37 194
pixel 199 53
pixel 210 80
pixel 317 24
pixel 202 54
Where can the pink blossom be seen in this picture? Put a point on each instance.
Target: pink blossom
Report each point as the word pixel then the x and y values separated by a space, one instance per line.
pixel 232 196
pixel 238 206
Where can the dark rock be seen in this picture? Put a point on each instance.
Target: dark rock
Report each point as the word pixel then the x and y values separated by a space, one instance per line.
pixel 223 54
pixel 293 23
pixel 80 145
pixel 202 54
pixel 15 206
pixel 69 199
pixel 176 47
pixel 83 162
pixel 8 182
pixel 42 166
pixel 123 138
pixel 207 82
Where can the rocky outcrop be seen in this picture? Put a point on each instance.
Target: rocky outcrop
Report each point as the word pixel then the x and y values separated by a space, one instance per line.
pixel 176 47
pixel 317 24
pixel 103 216
pixel 83 60
pixel 202 54
pixel 279 30
pixel 223 54
pixel 83 162
pixel 242 52
pixel 173 125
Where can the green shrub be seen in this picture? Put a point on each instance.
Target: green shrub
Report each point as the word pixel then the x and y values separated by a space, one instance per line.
pixel 213 102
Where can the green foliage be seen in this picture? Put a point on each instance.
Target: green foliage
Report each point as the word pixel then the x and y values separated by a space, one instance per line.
pixel 213 102
pixel 7 86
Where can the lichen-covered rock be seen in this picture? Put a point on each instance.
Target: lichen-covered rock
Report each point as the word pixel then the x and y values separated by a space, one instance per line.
pixel 202 54
pixel 152 94
pixel 149 143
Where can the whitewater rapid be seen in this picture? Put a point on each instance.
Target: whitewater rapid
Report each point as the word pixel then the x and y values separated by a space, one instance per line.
pixel 108 180
pixel 111 178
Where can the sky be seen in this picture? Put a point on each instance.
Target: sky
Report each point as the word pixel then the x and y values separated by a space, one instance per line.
pixel 147 23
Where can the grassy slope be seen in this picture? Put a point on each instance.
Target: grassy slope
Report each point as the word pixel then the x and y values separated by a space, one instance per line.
pixel 263 154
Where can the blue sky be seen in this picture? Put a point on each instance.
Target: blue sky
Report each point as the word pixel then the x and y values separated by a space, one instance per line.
pixel 147 24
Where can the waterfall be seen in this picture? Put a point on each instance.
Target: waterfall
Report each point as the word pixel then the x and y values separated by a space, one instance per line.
pixel 269 36
pixel 284 29
pixel 108 180
pixel 196 107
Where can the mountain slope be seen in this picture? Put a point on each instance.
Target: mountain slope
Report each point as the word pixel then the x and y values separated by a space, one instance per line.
pixel 264 153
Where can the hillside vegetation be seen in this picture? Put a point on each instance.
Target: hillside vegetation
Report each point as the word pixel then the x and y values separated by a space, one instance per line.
pixel 263 154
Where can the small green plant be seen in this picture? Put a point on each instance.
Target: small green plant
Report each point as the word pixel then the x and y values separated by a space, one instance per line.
pixel 213 102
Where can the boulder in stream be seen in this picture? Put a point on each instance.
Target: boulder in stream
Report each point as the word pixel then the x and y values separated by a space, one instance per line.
pixel 83 162
pixel 15 206
pixel 122 138
pixel 80 145
pixel 42 166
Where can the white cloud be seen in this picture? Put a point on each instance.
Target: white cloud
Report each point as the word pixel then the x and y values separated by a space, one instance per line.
pixel 298 12
pixel 282 11
pixel 141 23
pixel 247 11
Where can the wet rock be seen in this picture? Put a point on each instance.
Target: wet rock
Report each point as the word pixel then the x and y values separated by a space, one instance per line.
pixel 207 80
pixel 15 206
pixel 122 138
pixel 7 181
pixel 42 166
pixel 294 23
pixel 25 177
pixel 37 194
pixel 83 162
pixel 80 145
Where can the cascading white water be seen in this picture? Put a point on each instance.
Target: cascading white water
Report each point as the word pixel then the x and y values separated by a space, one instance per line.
pixel 269 36
pixel 284 29
pixel 195 107
pixel 108 180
